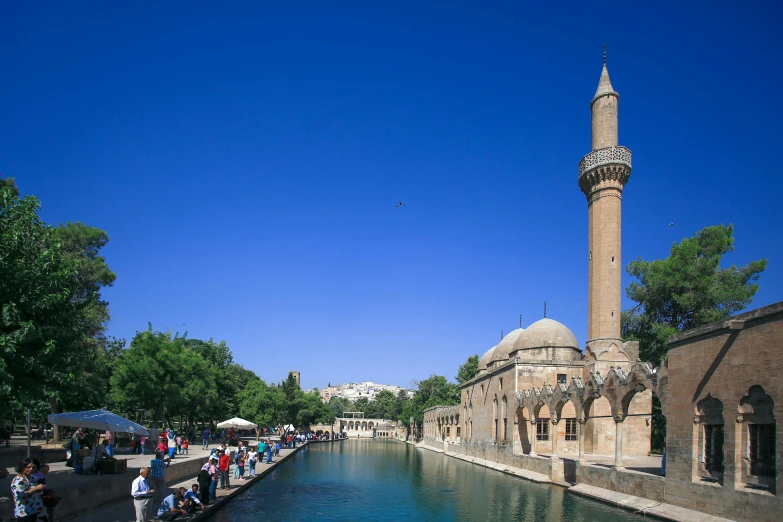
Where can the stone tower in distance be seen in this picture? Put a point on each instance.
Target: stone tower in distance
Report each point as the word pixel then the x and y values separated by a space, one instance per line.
pixel 297 376
pixel 602 175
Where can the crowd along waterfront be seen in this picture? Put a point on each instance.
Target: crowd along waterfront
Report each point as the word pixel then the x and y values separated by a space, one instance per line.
pixel 387 480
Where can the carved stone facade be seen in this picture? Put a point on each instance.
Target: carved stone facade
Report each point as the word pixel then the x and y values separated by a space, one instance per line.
pixel 538 403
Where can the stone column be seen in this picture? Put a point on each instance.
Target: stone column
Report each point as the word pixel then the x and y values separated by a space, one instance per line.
pixel 553 435
pixel 582 459
pixel 532 437
pixel 618 444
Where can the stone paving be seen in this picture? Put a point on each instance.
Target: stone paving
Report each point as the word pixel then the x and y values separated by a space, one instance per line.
pixel 124 512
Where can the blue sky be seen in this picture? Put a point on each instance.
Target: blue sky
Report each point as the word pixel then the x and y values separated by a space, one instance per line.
pixel 246 160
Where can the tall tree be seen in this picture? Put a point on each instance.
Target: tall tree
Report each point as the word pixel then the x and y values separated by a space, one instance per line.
pixel 468 370
pixel 686 290
pixel 83 243
pixel 45 314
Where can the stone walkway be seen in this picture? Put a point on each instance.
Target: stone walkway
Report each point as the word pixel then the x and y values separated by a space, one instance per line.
pixel 124 511
pixel 644 506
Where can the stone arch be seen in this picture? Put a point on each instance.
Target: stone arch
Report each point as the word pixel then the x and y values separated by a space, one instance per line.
pixel 364 425
pixel 599 426
pixel 495 424
pixel 757 431
pixel 504 420
pixel 709 435
pixel 523 431
pixel 370 424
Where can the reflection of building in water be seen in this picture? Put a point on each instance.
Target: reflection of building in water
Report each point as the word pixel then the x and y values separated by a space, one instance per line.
pixel 541 404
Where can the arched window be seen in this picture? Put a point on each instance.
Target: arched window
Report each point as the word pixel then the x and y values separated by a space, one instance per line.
pixel 710 411
pixel 495 426
pixel 504 416
pixel 758 415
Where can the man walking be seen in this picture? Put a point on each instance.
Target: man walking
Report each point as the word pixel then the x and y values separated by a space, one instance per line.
pixel 142 496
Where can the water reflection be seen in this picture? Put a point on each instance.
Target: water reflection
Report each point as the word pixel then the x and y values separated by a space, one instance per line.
pixel 384 480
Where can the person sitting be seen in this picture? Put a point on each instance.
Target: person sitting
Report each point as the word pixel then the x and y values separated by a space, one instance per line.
pixel 190 501
pixel 98 453
pixel 169 508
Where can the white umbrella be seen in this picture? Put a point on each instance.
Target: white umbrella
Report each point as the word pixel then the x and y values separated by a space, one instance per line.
pixel 238 424
pixel 289 427
pixel 97 420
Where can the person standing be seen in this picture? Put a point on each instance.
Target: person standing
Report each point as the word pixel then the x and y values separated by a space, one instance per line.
pixel 225 461
pixel 269 452
pixel 241 465
pixel 28 505
pixel 142 443
pixel 185 444
pixel 205 439
pixel 251 462
pixel 204 483
pixel 178 440
pixel 157 477
pixel 215 474
pixel 142 496
pixel 109 437
pixel 172 442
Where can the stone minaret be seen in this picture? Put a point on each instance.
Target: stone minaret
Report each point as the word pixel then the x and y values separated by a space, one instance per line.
pixel 602 176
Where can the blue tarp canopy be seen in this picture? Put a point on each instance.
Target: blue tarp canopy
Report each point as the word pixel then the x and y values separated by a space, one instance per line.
pixel 97 420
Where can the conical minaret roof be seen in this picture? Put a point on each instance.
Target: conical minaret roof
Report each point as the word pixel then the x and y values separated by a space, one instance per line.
pixel 604 84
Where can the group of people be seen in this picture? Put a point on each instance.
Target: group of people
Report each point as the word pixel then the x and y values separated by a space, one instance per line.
pixel 181 502
pixel 33 500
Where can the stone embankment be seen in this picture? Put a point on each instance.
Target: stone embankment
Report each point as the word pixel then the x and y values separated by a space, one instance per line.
pixel 106 498
pixel 636 504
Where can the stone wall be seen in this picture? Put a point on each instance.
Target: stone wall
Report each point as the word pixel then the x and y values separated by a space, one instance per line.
pixel 727 365
pixel 629 482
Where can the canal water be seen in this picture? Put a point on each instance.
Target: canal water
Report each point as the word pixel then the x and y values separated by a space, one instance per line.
pixel 382 480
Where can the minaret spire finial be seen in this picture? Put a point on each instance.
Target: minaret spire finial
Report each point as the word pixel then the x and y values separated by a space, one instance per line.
pixel 604 55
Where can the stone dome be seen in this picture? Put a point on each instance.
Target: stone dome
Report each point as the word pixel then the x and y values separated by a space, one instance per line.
pixel 485 359
pixel 503 349
pixel 546 338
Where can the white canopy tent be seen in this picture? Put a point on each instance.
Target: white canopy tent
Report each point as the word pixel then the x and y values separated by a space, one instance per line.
pixel 97 420
pixel 238 424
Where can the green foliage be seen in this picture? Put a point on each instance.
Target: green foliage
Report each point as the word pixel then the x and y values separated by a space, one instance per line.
pixel 468 370
pixel 434 391
pixel 686 290
pixel 262 404
pixel 43 309
pixel 339 405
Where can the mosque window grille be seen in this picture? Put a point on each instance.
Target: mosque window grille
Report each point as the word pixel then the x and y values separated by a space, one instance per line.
pixel 542 429
pixel 570 430
pixel 713 447
pixel 562 378
pixel 762 450
pixel 458 432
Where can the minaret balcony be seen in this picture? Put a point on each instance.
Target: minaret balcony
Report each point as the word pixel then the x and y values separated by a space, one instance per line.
pixel 609 163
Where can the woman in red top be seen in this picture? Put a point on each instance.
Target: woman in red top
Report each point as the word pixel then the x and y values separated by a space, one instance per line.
pixel 162 448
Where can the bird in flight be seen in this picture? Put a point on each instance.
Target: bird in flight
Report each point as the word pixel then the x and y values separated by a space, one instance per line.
pixel 671 224
pixel 400 204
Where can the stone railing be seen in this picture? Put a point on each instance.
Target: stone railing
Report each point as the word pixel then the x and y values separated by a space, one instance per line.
pixel 605 156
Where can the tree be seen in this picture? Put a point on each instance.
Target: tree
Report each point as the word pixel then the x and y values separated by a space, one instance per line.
pixel 339 405
pixel 434 391
pixel 385 406
pixel 468 370
pixel 82 244
pixel 150 373
pixel 262 404
pixel 45 312
pixel 686 290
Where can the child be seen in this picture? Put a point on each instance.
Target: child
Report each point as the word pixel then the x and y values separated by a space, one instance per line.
pixel 241 466
pixel 185 445
pixel 178 442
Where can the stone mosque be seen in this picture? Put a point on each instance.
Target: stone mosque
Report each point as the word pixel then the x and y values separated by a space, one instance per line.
pixel 544 408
